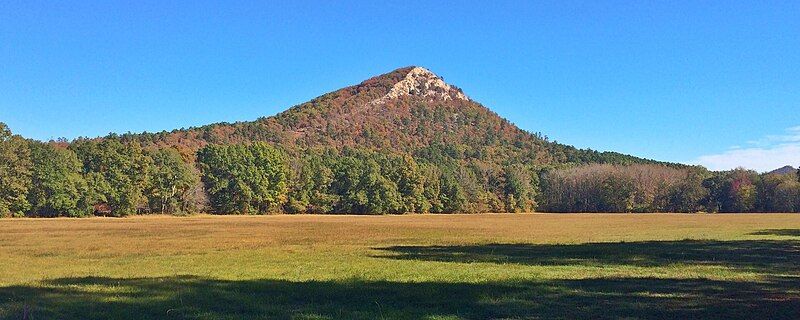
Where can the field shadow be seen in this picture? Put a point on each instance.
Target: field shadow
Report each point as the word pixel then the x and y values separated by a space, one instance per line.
pixel 190 297
pixel 777 232
pixel 767 256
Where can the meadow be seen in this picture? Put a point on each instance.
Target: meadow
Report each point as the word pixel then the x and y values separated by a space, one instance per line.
pixel 517 266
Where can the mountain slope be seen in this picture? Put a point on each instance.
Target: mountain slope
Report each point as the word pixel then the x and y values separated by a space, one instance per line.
pixel 784 170
pixel 407 110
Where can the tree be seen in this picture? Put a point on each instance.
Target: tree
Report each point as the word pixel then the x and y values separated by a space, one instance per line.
pixel 15 173
pixel 521 188
pixel 171 182
pixel 740 191
pixel 614 188
pixel 310 188
pixel 362 188
pixel 244 178
pixel 716 195
pixel 58 187
pixel 777 193
pixel 404 172
pixel 787 197
pixel 119 173
pixel 431 188
pixel 452 194
pixel 687 195
pixel 616 194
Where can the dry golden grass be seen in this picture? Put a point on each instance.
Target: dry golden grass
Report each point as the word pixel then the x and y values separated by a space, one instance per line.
pixel 145 264
pixel 168 234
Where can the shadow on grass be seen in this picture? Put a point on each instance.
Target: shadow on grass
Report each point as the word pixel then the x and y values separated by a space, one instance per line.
pixel 777 232
pixel 200 298
pixel 766 256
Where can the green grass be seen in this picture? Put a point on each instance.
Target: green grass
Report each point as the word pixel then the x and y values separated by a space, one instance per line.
pixel 409 267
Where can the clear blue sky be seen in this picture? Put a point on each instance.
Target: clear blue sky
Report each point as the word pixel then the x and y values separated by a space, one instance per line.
pixel 678 81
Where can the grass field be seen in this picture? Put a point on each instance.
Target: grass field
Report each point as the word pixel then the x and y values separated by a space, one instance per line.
pixel 411 267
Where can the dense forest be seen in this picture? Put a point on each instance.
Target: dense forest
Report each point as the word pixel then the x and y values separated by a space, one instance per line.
pixel 118 177
pixel 402 142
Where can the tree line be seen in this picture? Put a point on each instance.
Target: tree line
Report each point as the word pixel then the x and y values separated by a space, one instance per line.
pixel 117 176
pixel 650 188
pixel 87 177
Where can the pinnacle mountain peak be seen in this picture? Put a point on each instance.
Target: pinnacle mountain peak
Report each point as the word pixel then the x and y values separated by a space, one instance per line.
pixel 421 82
pixel 417 71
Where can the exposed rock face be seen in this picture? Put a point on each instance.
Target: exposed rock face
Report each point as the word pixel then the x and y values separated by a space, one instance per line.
pixel 422 82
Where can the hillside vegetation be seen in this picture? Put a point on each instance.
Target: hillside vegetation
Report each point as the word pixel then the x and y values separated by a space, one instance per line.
pixel 405 111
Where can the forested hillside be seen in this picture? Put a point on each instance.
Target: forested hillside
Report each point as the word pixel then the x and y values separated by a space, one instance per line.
pixel 405 111
pixel 401 142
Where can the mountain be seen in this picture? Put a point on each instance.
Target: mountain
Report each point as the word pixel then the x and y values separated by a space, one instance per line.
pixel 409 110
pixel 402 142
pixel 784 170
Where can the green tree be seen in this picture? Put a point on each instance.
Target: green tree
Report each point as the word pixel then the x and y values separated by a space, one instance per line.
pixel 616 194
pixel 687 195
pixel 244 178
pixel 716 192
pixel 15 173
pixel 58 186
pixel 310 187
pixel 404 172
pixel 362 188
pixel 452 194
pixel 777 193
pixel 521 188
pixel 171 182
pixel 787 197
pixel 432 186
pixel 119 173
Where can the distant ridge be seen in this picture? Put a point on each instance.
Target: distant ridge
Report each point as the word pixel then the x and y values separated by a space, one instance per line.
pixel 784 170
